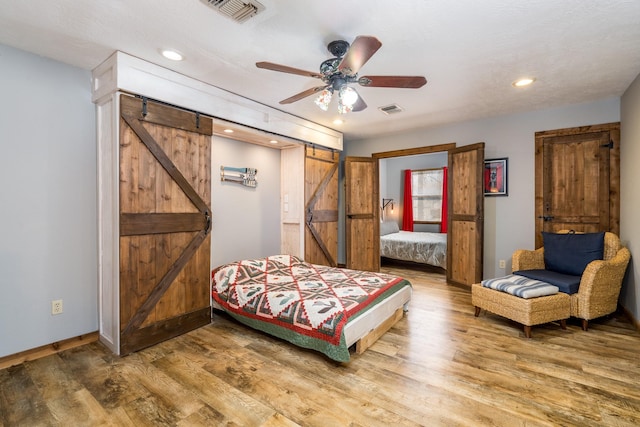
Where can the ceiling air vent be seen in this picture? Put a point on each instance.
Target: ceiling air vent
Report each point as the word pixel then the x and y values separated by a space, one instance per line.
pixel 390 109
pixel 238 10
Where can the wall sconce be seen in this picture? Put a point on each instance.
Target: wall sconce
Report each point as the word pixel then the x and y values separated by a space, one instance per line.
pixel 386 202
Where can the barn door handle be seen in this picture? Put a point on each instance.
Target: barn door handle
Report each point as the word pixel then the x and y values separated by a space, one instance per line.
pixel 546 218
pixel 309 216
pixel 207 218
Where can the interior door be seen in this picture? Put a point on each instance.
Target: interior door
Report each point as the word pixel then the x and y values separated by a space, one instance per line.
pixel 165 187
pixel 465 236
pixel 362 214
pixel 321 206
pixel 578 179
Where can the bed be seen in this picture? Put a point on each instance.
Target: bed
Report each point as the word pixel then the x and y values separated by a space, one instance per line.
pixel 420 247
pixel 318 307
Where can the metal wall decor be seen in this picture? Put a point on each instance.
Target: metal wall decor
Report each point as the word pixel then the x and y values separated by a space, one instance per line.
pixel 244 176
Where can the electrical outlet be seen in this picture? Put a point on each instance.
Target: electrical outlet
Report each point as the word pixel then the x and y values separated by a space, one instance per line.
pixel 56 306
pixel 502 264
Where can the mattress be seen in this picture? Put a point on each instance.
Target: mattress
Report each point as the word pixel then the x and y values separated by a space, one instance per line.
pixel 421 247
pixel 318 307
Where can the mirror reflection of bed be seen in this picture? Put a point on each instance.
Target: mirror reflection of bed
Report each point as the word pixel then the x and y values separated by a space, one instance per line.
pixel 417 242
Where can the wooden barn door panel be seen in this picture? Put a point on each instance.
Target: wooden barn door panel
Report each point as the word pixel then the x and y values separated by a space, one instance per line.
pixel 164 222
pixel 362 214
pixel 578 179
pixel 321 206
pixel 466 215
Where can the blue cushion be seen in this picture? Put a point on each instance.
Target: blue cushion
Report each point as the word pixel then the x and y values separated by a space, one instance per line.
pixel 520 286
pixel 566 283
pixel 570 253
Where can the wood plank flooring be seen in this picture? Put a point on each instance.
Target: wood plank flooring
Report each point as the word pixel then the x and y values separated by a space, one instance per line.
pixel 437 366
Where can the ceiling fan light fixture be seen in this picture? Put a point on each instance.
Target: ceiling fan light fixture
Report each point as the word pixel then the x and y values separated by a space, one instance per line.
pixel 337 72
pixel 324 98
pixel 344 109
pixel 347 96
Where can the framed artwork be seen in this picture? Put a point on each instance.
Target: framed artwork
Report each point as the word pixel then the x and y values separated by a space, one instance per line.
pixel 495 177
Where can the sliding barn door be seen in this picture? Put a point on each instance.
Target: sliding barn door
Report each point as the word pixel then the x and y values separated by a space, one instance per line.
pixel 466 215
pixel 362 215
pixel 165 221
pixel 321 206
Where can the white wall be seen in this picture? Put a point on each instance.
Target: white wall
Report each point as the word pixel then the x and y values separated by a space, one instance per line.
pixel 509 221
pixel 383 177
pixel 246 221
pixel 48 233
pixel 629 200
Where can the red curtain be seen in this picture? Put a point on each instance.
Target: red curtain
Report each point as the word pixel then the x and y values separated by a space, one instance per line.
pixel 445 199
pixel 407 203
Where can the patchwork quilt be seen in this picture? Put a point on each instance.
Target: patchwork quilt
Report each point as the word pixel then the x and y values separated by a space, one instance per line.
pixel 305 304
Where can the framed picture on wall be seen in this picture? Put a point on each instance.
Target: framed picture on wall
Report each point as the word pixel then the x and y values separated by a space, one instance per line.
pixel 495 177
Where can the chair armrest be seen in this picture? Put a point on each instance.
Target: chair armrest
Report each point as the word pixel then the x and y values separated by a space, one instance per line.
pixel 605 276
pixel 600 285
pixel 523 259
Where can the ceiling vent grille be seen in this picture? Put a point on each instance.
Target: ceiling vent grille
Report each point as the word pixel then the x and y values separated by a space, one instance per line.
pixel 390 109
pixel 238 10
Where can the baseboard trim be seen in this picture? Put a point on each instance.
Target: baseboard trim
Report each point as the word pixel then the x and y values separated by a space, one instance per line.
pixel 47 350
pixel 635 321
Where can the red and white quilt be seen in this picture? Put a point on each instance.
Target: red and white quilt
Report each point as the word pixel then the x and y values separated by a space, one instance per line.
pixel 298 301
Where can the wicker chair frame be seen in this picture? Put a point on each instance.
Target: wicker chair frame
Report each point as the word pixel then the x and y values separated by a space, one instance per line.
pixel 600 283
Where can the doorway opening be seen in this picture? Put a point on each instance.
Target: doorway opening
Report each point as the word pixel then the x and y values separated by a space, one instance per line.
pixel 423 247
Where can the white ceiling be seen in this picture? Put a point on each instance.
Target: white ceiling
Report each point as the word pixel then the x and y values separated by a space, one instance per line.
pixel 470 51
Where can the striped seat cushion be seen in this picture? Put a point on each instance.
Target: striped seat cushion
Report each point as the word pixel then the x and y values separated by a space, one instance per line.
pixel 520 286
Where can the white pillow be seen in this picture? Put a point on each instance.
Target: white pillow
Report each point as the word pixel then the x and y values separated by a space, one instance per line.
pixel 388 227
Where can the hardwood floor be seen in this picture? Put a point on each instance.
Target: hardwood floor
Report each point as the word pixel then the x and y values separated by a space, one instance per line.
pixel 438 366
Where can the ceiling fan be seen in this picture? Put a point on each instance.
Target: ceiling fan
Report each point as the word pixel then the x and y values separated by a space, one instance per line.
pixel 336 73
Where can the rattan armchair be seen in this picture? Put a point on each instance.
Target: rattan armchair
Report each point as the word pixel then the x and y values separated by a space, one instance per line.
pixel 599 285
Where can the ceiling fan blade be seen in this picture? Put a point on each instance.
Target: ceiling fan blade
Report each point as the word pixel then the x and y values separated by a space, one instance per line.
pixel 303 94
pixel 359 105
pixel 286 69
pixel 408 82
pixel 362 48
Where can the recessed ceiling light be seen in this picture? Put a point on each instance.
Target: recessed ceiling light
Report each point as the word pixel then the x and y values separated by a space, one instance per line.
pixel 228 131
pixel 172 54
pixel 338 121
pixel 524 82
pixel 273 141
